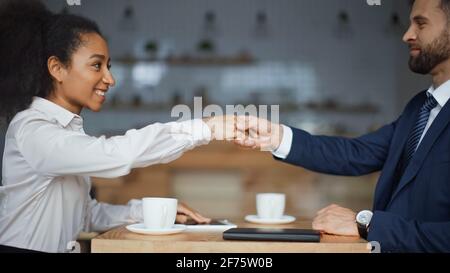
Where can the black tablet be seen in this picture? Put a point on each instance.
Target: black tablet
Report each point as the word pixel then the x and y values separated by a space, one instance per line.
pixel 271 234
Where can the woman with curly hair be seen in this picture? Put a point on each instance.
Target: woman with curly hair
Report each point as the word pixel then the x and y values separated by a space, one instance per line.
pixel 53 66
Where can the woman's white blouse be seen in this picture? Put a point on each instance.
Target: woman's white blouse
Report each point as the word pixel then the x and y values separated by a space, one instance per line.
pixel 47 165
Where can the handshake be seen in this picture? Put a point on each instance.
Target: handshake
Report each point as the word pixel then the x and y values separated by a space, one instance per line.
pixel 246 131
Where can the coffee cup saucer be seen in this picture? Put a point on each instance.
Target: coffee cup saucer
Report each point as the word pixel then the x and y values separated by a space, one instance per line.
pixel 285 219
pixel 141 229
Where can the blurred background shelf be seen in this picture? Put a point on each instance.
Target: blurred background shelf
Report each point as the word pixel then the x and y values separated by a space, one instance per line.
pixel 191 60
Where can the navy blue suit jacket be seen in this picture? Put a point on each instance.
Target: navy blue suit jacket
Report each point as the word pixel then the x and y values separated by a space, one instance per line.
pixel 414 216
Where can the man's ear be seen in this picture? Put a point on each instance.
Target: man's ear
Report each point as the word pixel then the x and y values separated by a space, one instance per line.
pixel 56 68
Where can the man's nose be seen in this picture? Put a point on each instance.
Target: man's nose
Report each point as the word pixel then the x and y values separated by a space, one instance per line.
pixel 410 35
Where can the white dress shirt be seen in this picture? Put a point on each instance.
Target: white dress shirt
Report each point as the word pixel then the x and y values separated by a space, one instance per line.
pixel 47 165
pixel 441 94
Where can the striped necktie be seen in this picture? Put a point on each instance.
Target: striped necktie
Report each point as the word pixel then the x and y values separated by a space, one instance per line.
pixel 419 127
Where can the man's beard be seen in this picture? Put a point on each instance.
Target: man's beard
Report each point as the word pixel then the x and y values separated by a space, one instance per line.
pixel 431 55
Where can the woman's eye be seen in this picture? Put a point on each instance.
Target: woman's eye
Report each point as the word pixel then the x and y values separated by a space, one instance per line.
pixel 97 66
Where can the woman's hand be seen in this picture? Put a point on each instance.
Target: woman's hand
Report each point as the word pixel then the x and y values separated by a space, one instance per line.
pixel 222 127
pixel 184 212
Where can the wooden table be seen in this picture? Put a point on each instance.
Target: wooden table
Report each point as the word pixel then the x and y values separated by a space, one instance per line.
pixel 122 240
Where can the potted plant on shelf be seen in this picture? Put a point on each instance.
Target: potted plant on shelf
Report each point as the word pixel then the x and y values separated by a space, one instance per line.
pixel 151 48
pixel 206 49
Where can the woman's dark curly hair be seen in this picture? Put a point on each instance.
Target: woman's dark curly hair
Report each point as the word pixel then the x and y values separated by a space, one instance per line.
pixel 29 35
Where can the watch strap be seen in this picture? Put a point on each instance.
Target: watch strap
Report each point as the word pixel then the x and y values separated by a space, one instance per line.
pixel 362 230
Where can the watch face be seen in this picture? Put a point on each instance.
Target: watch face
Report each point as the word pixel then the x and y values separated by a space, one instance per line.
pixel 364 217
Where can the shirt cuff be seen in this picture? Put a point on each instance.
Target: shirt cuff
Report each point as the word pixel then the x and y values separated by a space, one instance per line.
pixel 197 130
pixel 136 212
pixel 285 146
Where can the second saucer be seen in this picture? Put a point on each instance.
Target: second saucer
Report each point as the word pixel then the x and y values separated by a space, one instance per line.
pixel 285 219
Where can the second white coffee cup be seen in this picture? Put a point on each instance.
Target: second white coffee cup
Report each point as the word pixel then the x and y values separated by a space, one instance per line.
pixel 159 213
pixel 270 205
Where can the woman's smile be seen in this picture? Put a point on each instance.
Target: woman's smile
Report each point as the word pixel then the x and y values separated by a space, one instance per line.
pixel 101 93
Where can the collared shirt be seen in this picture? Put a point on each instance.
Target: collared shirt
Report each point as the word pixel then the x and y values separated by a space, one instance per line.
pixel 441 94
pixel 47 165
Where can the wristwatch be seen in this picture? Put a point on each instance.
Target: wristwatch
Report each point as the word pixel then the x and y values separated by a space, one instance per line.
pixel 363 222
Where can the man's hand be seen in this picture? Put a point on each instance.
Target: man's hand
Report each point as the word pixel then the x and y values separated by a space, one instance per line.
pixel 222 127
pixel 336 220
pixel 253 132
pixel 184 212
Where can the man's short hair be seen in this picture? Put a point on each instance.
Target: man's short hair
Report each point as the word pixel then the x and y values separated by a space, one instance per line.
pixel 445 6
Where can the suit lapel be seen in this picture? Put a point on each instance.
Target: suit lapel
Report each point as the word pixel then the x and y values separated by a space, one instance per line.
pixel 439 124
pixel 405 124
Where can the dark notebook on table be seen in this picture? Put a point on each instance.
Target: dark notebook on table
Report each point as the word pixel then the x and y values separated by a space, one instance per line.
pixel 268 234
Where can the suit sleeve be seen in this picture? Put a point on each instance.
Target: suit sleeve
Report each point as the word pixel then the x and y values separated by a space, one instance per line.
pixel 339 155
pixel 416 236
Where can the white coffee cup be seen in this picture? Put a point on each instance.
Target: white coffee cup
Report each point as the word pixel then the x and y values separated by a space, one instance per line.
pixel 159 213
pixel 270 205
